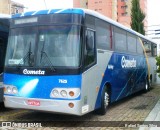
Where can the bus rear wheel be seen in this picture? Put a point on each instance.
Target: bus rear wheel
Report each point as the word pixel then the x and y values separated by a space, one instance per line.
pixel 104 102
pixel 148 85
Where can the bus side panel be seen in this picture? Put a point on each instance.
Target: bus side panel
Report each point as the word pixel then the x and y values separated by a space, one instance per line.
pixel 124 79
pixel 152 63
pixel 92 78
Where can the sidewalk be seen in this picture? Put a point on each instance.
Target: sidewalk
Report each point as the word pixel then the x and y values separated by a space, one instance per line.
pixel 154 115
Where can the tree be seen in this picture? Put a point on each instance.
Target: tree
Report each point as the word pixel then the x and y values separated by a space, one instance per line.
pixel 137 17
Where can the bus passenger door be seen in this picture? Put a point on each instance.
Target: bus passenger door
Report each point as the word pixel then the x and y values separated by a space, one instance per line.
pixel 89 78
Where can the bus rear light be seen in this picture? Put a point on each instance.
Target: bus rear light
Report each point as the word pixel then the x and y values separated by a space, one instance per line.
pixel 71 105
pixel 71 93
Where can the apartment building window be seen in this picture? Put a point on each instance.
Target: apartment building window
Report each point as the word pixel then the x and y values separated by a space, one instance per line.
pixel 124 7
pixel 124 14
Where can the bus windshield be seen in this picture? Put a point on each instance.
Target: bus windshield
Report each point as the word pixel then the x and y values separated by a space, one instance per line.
pixel 60 45
pixel 20 40
pixel 57 46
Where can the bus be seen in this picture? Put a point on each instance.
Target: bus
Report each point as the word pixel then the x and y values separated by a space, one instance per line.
pixel 74 61
pixel 4 29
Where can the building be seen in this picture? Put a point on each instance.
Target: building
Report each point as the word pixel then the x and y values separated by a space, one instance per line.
pixel 104 7
pixel 16 7
pixel 118 10
pixel 80 3
pixel 5 6
pixel 124 11
pixel 10 7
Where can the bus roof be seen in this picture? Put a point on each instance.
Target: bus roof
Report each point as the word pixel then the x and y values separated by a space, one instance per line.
pixel 82 12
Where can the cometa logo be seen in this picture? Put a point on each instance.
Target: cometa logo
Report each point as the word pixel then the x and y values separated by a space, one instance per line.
pixel 36 72
pixel 128 63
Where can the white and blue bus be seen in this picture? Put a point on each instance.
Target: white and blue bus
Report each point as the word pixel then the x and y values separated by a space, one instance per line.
pixel 74 61
pixel 4 30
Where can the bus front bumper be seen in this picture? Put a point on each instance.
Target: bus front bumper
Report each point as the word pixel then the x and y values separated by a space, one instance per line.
pixel 49 105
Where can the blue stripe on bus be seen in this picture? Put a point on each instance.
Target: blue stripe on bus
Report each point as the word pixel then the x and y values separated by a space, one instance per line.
pixel 41 86
pixel 52 11
pixel 28 13
pixel 124 81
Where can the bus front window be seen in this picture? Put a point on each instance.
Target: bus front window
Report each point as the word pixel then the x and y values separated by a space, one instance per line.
pixel 21 45
pixel 59 46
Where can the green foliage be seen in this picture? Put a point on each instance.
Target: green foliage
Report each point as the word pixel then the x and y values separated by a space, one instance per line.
pixel 158 65
pixel 137 17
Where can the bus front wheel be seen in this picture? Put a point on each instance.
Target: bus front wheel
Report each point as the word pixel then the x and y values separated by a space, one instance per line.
pixel 104 102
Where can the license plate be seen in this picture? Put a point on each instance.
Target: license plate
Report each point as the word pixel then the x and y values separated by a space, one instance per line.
pixel 34 102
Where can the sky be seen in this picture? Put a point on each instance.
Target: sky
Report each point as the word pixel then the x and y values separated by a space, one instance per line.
pixel 153 12
pixel 153 15
pixel 40 4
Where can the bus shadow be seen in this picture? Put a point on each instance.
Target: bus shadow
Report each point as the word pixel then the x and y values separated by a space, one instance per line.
pixel 3 108
pixel 129 98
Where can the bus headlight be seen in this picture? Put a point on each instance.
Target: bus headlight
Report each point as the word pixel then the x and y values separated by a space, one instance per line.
pixel 9 89
pixel 69 93
pixel 14 90
pixel 64 93
pixel 55 93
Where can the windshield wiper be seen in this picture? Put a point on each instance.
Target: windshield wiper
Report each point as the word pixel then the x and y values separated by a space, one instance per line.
pixel 46 56
pixel 28 56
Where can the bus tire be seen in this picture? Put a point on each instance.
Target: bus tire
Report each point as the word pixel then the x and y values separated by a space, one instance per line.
pixel 104 102
pixel 150 83
pixel 147 85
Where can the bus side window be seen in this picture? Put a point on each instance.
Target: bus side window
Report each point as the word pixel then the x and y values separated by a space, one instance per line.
pixel 154 50
pixel 131 43
pixel 139 46
pixel 120 39
pixel 89 48
pixel 147 46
